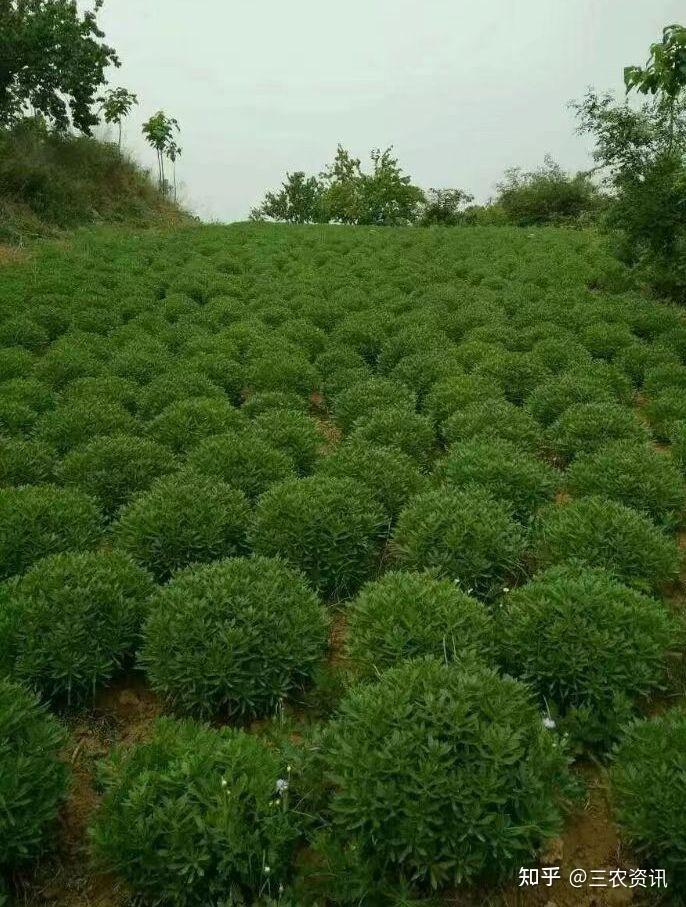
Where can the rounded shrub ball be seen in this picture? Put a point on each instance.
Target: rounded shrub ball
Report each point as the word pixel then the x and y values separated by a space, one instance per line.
pixel 506 472
pixel 169 387
pixel 15 362
pixel 598 532
pixel 518 374
pixel 464 535
pixel 115 469
pixel 634 474
pixel 493 419
pixel 330 528
pixel 586 427
pixel 404 615
pixel 436 753
pixel 409 432
pixel 25 462
pixel 599 647
pixel 678 445
pixel 265 401
pixel 648 793
pixel 293 432
pixel 280 370
pixel 76 620
pixel 390 476
pixel 452 394
pixel 194 814
pixel 181 425
pixel 664 409
pixel 578 385
pixel 242 460
pixel 71 424
pixel 37 520
pixel 366 397
pixel 183 518
pixel 233 638
pixel 33 780
pixel 109 388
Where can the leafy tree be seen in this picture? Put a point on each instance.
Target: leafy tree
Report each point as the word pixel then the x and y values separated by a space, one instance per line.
pixel 343 182
pixel 52 61
pixel 159 131
pixel 116 104
pixel 545 195
pixel 664 75
pixel 299 201
pixel 445 207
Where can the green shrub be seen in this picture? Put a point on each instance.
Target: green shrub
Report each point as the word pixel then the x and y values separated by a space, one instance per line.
pixel 235 637
pixel 599 647
pixel 263 402
pixel 279 371
pixel 666 408
pixel 493 419
pixel 294 433
pixel 634 474
pixel 420 371
pixel 578 385
pixel 597 532
pixel 455 393
pixel 37 520
pixel 23 331
pixel 641 359
pixel 605 340
pixel 647 783
pixel 437 753
pixel 28 391
pixel 505 471
pixel 77 620
pixel 465 535
pixel 172 386
pixel 110 388
pixel 182 424
pixel 15 362
pixel 665 378
pixel 33 781
pixel 114 469
pixel 403 615
pixel 242 460
pixel 182 519
pixel 193 816
pixel 328 527
pixel 516 373
pixel 25 462
pixel 71 424
pixel 546 195
pixel 408 432
pixel 367 397
pixel 64 363
pixel 363 332
pixel 559 354
pixel 389 475
pixel 586 427
pixel 140 360
pixel 678 441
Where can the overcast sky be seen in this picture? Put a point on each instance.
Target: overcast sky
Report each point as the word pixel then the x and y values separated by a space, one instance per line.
pixel 461 88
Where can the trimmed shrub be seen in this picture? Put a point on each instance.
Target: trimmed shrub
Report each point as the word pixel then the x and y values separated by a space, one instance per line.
pixel 37 520
pixel 181 425
pixel 634 474
pixel 437 753
pixel 327 527
pixel 243 460
pixel 516 373
pixel 183 519
pixel 421 371
pixel 256 404
pixel 408 432
pixel 597 532
pixel 389 475
pixel 234 638
pixel 506 472
pixel 602 384
pixel 403 615
pixel 294 433
pixel 28 391
pixel 665 378
pixel 365 398
pixel 23 331
pixel 194 816
pixel 33 781
pixel 605 339
pixel 493 419
pixel 465 535
pixel 66 362
pixel 559 354
pixel 647 784
pixel 71 424
pixel 663 410
pixel 110 388
pixel 281 371
pixel 140 360
pixel 115 469
pixel 25 462
pixel 678 439
pixel 76 620
pixel 586 427
pixel 640 359
pixel 453 394
pixel 15 362
pixel 599 647
pixel 169 387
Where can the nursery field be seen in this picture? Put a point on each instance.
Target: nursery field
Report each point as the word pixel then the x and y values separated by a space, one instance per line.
pixel 339 565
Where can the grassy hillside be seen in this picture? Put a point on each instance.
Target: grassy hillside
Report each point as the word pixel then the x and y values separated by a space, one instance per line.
pixel 50 182
pixel 399 512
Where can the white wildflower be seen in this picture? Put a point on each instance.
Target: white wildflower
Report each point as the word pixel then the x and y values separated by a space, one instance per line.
pixel 281 785
pixel 548 723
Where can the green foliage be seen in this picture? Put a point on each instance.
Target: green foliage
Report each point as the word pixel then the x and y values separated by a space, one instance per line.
pixel 634 474
pixel 586 427
pixel 601 384
pixel 597 532
pixel 491 420
pixel 664 409
pixel 445 207
pixel 243 461
pixel 450 395
pixel 182 519
pixel 194 815
pixel 462 534
pixel 299 201
pixel 647 782
pixel 171 387
pixel 546 195
pixel 159 132
pixel 182 424
pixel 293 432
pixel 236 637
pixel 408 432
pixel 403 615
pixel 407 785
pixel 366 397
pixel 503 470
pixel 76 620
pixel 678 448
pixel 590 647
pixel 71 424
pixel 264 401
pixel 25 462
pixel 33 782
pixel 116 104
pixel 37 520
pixel 328 527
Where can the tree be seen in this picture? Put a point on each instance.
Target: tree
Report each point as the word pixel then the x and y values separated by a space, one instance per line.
pixel 299 201
pixel 445 207
pixel 159 131
pixel 52 62
pixel 115 104
pixel 342 181
pixel 545 195
pixel 664 75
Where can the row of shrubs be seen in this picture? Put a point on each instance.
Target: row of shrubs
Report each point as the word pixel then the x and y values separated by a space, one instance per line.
pixel 197 480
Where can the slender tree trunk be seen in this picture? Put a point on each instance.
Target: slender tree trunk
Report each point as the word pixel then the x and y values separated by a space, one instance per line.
pixel 120 135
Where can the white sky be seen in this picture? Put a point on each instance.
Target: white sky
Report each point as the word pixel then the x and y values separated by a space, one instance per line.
pixel 462 88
